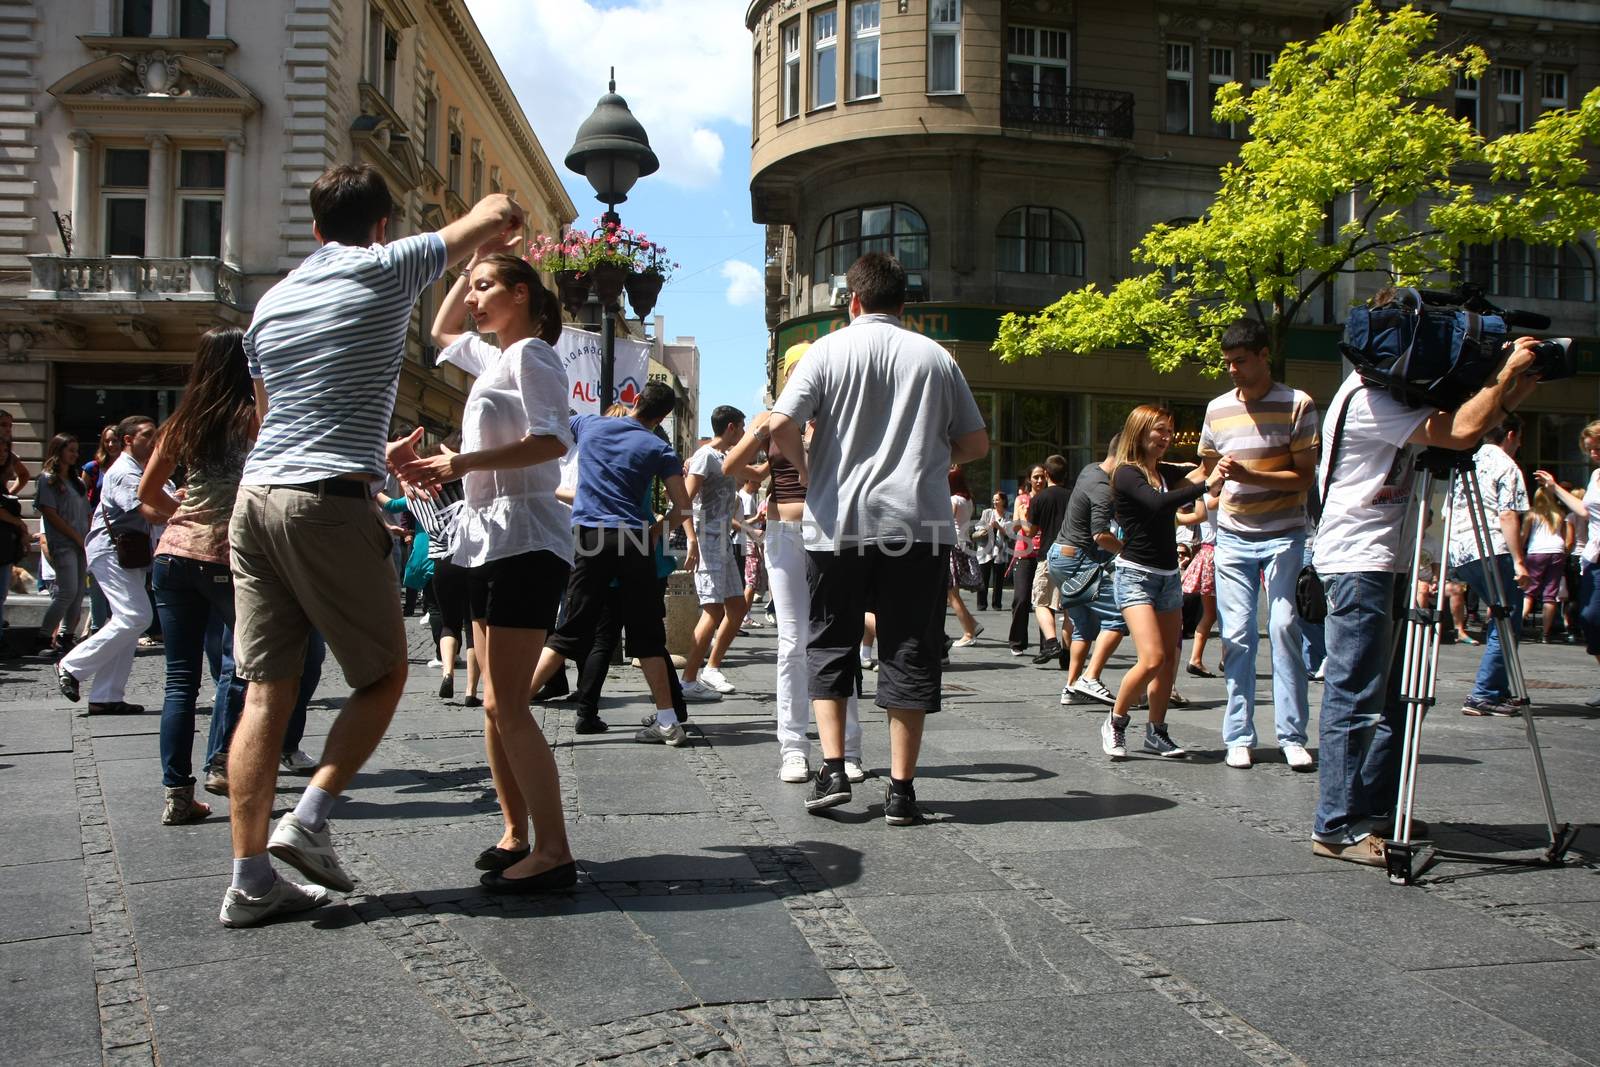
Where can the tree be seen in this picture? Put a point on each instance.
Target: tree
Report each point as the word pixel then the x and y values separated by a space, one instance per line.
pixel 1345 130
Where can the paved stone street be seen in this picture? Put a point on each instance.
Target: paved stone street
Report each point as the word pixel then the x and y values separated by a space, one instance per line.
pixel 1063 910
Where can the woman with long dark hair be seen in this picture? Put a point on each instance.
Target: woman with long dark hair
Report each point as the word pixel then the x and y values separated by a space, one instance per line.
pixel 515 538
pixel 209 436
pixel 1025 562
pixel 62 500
pixel 1146 495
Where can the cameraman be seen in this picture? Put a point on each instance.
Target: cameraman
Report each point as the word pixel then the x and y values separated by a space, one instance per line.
pixel 1365 522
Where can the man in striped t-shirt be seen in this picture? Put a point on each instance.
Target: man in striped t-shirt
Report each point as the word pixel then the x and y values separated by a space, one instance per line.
pixel 309 547
pixel 1264 435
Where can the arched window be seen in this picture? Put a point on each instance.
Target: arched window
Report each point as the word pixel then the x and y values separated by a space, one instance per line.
pixel 1039 240
pixel 1521 271
pixel 894 228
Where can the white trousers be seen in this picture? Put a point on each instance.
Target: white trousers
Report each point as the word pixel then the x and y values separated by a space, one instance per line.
pixel 107 654
pixel 791 604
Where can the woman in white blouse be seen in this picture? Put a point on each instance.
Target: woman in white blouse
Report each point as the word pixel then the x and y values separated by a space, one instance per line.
pixel 515 539
pixel 1586 515
pixel 993 536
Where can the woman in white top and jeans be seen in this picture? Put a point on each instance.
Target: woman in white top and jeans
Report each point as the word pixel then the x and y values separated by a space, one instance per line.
pixel 515 539
pixel 1586 513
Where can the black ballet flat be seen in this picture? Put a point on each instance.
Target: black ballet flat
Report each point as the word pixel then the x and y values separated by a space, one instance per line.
pixel 498 859
pixel 554 880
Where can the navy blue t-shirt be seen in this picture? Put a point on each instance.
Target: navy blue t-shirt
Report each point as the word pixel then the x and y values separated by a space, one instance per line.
pixel 616 460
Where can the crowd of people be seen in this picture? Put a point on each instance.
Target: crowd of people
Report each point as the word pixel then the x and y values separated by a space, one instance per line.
pixel 260 521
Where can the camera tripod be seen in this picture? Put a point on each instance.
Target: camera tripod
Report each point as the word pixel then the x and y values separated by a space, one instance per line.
pixel 1408 860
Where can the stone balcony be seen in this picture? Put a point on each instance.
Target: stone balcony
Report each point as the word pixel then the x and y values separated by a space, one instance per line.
pixel 127 278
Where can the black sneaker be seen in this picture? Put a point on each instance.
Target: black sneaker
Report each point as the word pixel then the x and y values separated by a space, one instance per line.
pixel 67 683
pixel 900 809
pixel 827 790
pixel 591 723
pixel 1157 740
pixel 1048 651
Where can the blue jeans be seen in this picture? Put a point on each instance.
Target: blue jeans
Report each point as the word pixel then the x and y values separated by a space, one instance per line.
pixel 189 593
pixel 1492 683
pixel 1362 722
pixel 1589 608
pixel 1241 564
pixel 1313 643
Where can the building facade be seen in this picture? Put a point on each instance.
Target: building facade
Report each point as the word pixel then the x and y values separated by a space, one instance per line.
pixel 1008 151
pixel 155 163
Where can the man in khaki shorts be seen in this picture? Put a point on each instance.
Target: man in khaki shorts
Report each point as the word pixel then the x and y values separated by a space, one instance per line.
pixel 308 546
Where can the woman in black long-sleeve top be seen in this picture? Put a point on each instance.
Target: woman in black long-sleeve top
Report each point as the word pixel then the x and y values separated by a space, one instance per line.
pixel 1146 495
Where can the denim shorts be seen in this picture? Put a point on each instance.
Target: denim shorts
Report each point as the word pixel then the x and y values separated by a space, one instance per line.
pixel 1100 613
pixel 1164 592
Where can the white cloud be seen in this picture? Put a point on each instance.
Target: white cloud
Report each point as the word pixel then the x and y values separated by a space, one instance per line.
pixel 745 284
pixel 682 65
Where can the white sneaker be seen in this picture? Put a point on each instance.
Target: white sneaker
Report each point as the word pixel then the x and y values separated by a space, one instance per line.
pixel 1239 756
pixel 1068 695
pixel 297 762
pixel 866 658
pixel 697 692
pixel 284 898
pixel 1113 736
pixel 309 853
pixel 794 768
pixel 423 622
pixel 713 677
pixel 1094 689
pixel 436 662
pixel 854 771
pixel 1298 758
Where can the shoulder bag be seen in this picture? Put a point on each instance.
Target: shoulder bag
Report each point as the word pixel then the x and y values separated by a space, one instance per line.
pixel 132 547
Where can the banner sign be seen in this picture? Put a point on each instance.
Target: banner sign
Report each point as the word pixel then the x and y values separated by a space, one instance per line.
pixel 580 355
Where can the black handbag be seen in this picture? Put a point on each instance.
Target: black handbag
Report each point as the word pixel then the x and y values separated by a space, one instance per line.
pixel 132 546
pixel 964 572
pixel 1310 597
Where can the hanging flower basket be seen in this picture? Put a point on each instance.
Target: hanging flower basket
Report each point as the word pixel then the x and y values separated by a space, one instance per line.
pixel 573 288
pixel 608 280
pixel 643 291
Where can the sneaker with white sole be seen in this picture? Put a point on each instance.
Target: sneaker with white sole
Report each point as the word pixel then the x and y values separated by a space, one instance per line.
pixel 656 734
pixel 698 692
pixel 284 898
pixel 853 771
pixel 1158 741
pixel 1114 736
pixel 1239 756
pixel 1068 695
pixel 714 678
pixel 827 790
pixel 297 762
pixel 794 769
pixel 1095 690
pixel 1297 757
pixel 310 853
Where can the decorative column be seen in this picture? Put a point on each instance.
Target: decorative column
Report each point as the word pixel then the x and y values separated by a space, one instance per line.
pixel 158 205
pixel 161 19
pixel 233 200
pixel 82 192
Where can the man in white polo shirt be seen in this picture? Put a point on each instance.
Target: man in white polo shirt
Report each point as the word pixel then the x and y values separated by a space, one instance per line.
pixel 310 550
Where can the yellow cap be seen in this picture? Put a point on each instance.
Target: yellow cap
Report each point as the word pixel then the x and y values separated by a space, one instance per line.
pixel 791 357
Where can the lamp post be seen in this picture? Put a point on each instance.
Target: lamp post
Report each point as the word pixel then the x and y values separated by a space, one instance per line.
pixel 612 151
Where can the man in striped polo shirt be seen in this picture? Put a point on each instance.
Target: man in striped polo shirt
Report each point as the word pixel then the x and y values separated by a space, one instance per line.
pixel 1264 435
pixel 309 547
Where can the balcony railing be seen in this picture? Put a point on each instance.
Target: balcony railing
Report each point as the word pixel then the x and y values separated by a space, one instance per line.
pixel 1059 109
pixel 134 278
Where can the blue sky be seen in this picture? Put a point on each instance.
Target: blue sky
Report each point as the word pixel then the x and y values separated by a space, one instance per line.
pixel 684 68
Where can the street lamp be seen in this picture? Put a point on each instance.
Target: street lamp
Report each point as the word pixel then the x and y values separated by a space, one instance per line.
pixel 612 151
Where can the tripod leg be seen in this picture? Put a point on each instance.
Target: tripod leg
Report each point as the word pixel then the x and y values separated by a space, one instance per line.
pixel 1416 676
pixel 1500 612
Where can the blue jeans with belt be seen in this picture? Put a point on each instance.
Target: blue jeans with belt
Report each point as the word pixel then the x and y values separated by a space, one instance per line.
pixel 188 594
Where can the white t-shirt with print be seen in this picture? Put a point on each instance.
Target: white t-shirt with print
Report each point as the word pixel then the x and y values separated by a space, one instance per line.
pixel 1502 487
pixel 518 392
pixel 1367 513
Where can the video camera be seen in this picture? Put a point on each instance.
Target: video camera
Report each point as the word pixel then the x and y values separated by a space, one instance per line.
pixel 1436 349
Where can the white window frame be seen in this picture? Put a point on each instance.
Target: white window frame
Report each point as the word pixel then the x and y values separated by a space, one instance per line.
pixel 1548 101
pixel 1215 80
pixel 1261 64
pixel 1179 74
pixel 789 98
pixel 1035 55
pixel 1516 95
pixel 944 29
pixel 181 194
pixel 1468 89
pixel 821 44
pixel 861 40
pixel 109 192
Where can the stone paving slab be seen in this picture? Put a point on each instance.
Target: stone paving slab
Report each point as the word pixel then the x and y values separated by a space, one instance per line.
pixel 1061 909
